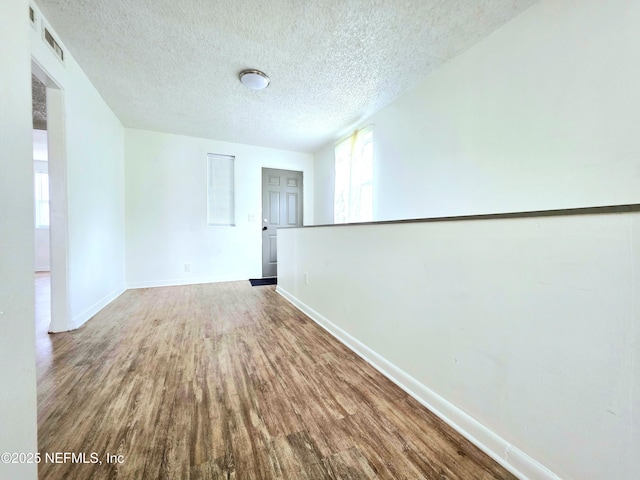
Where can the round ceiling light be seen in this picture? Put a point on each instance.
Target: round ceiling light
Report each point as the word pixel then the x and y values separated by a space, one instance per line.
pixel 254 79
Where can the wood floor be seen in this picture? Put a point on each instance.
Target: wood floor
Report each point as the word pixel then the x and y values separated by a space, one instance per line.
pixel 230 381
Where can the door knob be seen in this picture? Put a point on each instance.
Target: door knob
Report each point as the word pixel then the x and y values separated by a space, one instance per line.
pixel 264 228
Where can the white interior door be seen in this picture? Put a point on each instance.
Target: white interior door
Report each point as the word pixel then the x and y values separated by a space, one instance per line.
pixel 281 208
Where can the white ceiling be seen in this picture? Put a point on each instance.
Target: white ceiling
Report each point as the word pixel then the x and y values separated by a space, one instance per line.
pixel 172 66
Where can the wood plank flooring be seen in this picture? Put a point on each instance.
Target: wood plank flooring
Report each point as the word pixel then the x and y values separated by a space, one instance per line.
pixel 230 381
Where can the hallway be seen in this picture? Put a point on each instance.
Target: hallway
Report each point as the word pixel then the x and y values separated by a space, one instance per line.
pixel 229 381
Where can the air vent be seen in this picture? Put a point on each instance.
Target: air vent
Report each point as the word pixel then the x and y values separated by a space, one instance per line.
pixel 53 44
pixel 32 17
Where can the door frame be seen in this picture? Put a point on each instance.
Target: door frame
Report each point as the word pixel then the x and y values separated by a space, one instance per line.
pixel 58 223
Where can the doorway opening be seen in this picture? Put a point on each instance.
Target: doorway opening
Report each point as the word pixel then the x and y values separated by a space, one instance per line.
pixel 42 256
pixel 281 208
pixel 50 216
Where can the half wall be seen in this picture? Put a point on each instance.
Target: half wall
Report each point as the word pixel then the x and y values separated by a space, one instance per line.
pixel 523 333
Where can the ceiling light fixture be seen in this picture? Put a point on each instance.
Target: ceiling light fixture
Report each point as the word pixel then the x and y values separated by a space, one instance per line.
pixel 254 79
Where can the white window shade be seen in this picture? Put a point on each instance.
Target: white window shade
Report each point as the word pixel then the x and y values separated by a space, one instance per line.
pixel 220 190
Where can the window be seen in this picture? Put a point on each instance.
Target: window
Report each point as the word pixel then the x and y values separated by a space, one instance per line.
pixel 353 200
pixel 42 199
pixel 220 190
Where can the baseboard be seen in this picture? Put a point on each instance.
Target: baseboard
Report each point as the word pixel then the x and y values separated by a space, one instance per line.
pixel 87 314
pixel 507 455
pixel 175 282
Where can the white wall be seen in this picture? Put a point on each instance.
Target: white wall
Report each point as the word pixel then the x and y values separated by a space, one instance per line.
pixel 17 333
pixel 41 235
pixel 41 257
pixel 166 179
pixel 94 169
pixel 529 326
pixel 542 114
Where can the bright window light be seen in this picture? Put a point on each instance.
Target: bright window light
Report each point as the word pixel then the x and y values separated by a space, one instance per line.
pixel 42 199
pixel 353 200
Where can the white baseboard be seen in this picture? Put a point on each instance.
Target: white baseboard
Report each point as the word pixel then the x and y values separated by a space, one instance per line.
pixel 174 282
pixel 83 317
pixel 507 455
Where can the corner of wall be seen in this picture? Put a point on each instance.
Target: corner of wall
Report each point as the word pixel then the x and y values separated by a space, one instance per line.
pixel 86 315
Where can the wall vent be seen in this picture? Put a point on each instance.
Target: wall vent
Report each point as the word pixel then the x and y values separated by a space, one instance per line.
pixel 32 17
pixel 57 49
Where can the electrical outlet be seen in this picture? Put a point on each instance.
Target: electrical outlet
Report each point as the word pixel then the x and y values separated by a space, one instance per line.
pixel 306 278
pixel 187 267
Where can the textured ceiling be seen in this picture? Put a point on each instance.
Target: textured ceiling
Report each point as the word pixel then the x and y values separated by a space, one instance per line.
pixel 38 103
pixel 172 66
